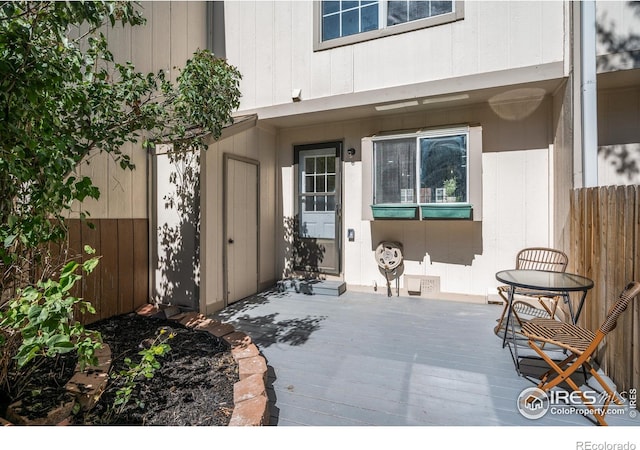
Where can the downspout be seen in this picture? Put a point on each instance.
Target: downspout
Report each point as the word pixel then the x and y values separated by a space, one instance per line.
pixel 588 93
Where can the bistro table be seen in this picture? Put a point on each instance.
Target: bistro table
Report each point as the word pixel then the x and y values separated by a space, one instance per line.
pixel 541 282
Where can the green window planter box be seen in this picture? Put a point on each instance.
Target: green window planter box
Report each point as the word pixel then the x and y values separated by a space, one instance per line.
pixel 446 211
pixel 394 211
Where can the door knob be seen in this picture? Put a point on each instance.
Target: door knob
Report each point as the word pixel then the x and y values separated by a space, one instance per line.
pixel 230 241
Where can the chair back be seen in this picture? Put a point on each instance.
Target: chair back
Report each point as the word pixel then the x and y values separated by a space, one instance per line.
pixel 626 296
pixel 541 258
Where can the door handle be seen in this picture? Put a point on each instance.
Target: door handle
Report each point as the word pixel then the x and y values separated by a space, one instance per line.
pixel 230 241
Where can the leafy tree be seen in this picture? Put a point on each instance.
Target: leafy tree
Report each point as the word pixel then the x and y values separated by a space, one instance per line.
pixel 62 97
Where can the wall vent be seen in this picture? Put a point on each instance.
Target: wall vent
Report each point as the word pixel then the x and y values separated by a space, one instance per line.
pixel 429 285
pixel 422 284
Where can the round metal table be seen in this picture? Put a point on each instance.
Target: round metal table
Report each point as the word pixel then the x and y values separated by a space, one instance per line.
pixel 541 282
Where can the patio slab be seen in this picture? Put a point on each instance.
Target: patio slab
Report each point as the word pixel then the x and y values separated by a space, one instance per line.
pixel 367 359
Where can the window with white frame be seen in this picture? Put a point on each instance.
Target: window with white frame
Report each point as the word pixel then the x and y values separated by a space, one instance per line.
pixel 343 22
pixel 424 167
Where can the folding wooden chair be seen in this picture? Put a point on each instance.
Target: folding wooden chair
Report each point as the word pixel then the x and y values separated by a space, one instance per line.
pixel 580 344
pixel 534 258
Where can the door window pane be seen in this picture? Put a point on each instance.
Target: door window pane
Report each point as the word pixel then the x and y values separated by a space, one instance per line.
pixel 309 165
pixel 331 203
pixel 321 203
pixel 321 164
pixel 331 183
pixel 309 185
pixel 320 183
pixel 308 203
pixel 331 164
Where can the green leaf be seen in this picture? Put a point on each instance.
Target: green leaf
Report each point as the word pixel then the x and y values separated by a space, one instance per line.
pixel 90 264
pixel 69 268
pixel 34 312
pixel 26 354
pixel 59 340
pixel 8 241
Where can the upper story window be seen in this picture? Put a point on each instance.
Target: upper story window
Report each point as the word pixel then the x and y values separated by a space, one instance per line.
pixel 346 22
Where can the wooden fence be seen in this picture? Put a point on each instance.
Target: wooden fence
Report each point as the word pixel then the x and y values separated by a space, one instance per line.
pixel 119 284
pixel 604 247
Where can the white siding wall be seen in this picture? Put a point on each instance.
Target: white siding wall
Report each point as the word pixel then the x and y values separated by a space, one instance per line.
pixel 272 45
pixel 619 136
pixel 465 254
pixel 622 20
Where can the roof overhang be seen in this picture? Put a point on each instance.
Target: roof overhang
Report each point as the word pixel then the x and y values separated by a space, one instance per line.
pixel 430 95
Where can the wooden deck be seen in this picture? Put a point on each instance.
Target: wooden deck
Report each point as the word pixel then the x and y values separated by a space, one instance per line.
pixel 372 360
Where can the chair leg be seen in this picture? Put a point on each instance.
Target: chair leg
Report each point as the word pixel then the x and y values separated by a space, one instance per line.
pixel 498 327
pixel 504 313
pixel 564 375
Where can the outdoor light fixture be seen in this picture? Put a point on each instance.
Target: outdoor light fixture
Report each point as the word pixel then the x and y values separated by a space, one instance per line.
pixel 351 152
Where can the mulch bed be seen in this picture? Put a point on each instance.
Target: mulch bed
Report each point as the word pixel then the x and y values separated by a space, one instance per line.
pixel 193 386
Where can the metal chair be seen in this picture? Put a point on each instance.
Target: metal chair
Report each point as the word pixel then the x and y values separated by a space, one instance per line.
pixel 581 345
pixel 533 258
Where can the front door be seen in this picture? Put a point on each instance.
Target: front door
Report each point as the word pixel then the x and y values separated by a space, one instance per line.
pixel 241 228
pixel 317 246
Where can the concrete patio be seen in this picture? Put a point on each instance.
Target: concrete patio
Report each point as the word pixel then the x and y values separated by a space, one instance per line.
pixel 365 359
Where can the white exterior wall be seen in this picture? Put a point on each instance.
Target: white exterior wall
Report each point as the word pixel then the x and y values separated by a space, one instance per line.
pixel 622 20
pixel 618 65
pixel 516 172
pixel 619 136
pixel 272 45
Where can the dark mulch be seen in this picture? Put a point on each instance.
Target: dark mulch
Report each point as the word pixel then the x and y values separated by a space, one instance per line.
pixel 193 386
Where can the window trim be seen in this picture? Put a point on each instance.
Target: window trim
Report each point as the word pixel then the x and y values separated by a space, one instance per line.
pixel 319 45
pixel 425 133
pixel 427 211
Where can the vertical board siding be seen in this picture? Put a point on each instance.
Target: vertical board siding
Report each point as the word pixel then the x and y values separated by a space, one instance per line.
pixel 605 222
pixel 119 284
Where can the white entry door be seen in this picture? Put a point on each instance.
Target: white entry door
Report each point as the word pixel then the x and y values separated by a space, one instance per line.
pixel 241 228
pixel 318 234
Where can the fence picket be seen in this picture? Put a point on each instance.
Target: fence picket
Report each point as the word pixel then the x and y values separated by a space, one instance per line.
pixel 605 226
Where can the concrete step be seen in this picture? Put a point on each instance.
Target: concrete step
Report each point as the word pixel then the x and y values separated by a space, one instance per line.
pixel 313 287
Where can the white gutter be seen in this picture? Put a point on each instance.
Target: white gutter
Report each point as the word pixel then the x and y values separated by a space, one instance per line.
pixel 588 91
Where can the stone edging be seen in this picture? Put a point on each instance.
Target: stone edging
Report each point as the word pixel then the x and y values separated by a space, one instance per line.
pixel 251 405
